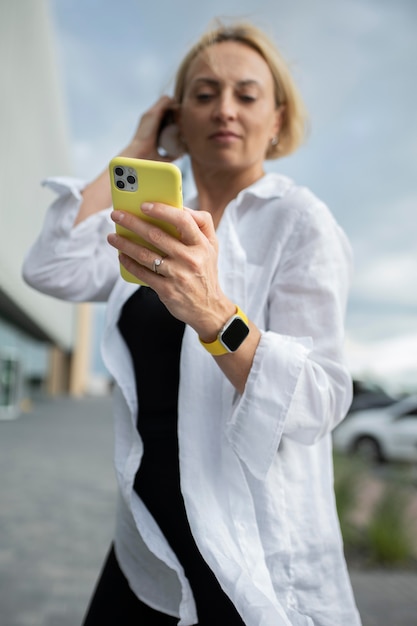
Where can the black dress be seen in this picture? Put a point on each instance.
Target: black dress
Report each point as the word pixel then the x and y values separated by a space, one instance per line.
pixel 154 339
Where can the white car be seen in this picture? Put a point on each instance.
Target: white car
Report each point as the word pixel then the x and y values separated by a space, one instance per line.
pixel 381 434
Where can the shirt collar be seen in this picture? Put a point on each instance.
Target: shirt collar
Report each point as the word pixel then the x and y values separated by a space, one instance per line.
pixel 271 185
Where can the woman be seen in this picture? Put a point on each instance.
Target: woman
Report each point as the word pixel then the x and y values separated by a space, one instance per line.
pixel 226 510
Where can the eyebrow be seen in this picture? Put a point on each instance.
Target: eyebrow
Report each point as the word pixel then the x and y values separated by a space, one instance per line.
pixel 215 83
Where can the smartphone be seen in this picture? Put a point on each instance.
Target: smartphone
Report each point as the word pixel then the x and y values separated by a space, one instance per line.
pixel 134 181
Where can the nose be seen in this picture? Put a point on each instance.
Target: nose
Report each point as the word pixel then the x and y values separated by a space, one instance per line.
pixel 225 108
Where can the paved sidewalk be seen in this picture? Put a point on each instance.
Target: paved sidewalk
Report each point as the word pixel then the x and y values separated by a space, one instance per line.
pixel 386 598
pixel 57 495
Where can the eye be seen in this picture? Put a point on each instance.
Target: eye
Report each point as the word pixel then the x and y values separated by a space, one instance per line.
pixel 247 98
pixel 204 96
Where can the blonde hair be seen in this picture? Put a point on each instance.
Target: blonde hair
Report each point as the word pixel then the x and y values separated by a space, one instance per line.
pixel 294 120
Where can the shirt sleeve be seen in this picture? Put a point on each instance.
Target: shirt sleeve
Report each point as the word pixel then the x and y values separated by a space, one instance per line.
pixel 69 262
pixel 299 385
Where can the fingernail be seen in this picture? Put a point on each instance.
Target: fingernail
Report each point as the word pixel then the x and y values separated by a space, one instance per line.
pixel 147 207
pixel 117 216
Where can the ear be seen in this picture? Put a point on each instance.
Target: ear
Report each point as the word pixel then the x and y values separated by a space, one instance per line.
pixel 170 143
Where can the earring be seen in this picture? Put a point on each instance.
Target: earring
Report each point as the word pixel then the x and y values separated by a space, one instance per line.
pixel 275 141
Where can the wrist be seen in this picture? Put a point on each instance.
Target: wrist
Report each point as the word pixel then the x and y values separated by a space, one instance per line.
pixel 215 321
pixel 230 336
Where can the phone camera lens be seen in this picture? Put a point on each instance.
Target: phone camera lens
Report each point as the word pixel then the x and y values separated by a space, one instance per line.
pixel 119 171
pixel 120 184
pixel 131 180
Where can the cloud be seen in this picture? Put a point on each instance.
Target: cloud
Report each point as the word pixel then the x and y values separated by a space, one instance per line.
pixel 392 362
pixel 391 278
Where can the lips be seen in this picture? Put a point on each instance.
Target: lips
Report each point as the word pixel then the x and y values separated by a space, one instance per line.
pixel 224 135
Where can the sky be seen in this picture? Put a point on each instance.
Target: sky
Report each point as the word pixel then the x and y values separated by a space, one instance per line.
pixel 355 63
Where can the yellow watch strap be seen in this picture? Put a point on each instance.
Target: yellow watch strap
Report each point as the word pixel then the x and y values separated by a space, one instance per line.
pixel 216 348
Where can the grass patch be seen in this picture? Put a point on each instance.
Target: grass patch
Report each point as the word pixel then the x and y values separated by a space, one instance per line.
pixel 388 533
pixel 348 475
pixel 384 537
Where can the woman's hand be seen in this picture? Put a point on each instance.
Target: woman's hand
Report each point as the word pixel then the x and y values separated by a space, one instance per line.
pixel 144 144
pixel 187 279
pixel 97 194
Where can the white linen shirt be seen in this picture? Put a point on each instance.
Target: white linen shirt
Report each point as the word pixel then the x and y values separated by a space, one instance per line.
pixel 256 469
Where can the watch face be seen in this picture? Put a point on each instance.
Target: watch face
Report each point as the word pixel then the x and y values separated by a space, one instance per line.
pixel 234 334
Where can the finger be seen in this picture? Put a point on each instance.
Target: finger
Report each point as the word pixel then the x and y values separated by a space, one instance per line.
pixel 186 227
pixel 153 117
pixel 204 221
pixel 140 254
pixel 146 132
pixel 147 231
pixel 148 276
pixel 158 266
pixel 164 103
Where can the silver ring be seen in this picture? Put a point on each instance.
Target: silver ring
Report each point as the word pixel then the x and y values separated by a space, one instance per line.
pixel 157 263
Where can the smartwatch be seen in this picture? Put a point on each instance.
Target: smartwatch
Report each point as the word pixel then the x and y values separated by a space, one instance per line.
pixel 231 336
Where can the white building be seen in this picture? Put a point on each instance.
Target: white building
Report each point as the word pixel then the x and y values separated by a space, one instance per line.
pixel 38 330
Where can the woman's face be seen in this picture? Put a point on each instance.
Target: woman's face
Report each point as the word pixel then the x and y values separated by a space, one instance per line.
pixel 228 115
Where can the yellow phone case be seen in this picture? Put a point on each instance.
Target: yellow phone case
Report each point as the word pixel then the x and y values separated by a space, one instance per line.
pixel 134 181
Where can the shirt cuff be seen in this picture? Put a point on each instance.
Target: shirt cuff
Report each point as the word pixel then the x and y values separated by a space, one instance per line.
pixel 257 423
pixel 63 185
